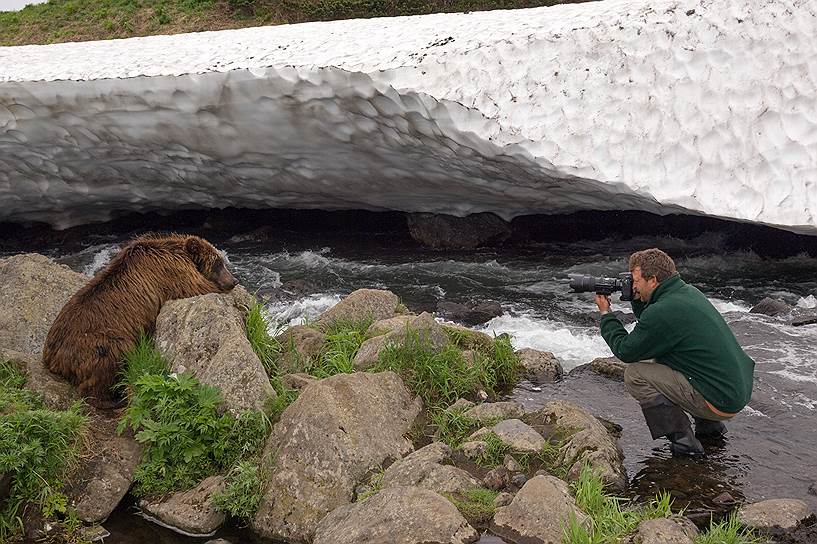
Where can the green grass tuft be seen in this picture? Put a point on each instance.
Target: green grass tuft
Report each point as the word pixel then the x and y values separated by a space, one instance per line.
pixel 265 346
pixel 343 340
pixel 452 426
pixel 494 454
pixel 243 493
pixel 728 531
pixel 476 505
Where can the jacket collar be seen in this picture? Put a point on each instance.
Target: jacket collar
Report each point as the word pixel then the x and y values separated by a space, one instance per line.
pixel 670 284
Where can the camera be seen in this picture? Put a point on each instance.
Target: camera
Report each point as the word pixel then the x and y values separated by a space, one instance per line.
pixel 603 286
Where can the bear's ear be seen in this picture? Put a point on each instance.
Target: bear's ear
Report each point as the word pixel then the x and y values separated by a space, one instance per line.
pixel 194 248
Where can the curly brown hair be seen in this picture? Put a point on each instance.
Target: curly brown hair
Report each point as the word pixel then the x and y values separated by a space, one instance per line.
pixel 653 262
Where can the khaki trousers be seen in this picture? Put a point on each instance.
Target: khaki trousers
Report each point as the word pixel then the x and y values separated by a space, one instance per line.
pixel 645 380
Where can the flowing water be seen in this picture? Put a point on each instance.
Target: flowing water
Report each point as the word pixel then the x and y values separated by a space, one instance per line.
pixel 771 450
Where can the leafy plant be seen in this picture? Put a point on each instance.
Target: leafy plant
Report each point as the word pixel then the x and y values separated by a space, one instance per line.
pixel 177 418
pixel 37 446
pixel 243 493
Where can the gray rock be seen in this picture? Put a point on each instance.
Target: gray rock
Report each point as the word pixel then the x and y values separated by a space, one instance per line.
pixel 105 470
pixel 205 335
pixel 385 326
pixel 189 512
pixel 518 435
pixel 339 430
pixel 466 338
pixel 461 405
pixel 538 513
pixel 299 344
pixel 540 366
pixel 34 289
pixel 94 533
pixel 473 449
pixel 489 411
pixel 503 499
pixel 518 480
pixel 424 468
pixel 496 479
pixel 471 313
pixel 785 514
pixel 770 306
pixel 512 464
pixel 675 530
pixel 423 325
pixel 398 515
pixel 588 441
pixel 611 367
pixel 359 305
pixel 441 231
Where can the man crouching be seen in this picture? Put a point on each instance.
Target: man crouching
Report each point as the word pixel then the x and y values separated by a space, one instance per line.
pixel 682 356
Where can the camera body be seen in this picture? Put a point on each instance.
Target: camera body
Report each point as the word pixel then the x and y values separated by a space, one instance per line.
pixel 603 286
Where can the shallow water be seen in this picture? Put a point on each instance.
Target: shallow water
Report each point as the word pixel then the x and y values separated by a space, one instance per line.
pixel 771 447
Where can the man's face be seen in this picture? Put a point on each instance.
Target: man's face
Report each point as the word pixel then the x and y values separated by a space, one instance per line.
pixel 642 287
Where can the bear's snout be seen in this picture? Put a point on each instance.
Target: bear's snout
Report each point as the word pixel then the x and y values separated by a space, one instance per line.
pixel 225 280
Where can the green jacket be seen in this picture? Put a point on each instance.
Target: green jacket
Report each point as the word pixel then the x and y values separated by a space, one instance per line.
pixel 680 328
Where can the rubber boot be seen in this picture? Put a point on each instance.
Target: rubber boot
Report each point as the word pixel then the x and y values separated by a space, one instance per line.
pixel 664 418
pixel 706 428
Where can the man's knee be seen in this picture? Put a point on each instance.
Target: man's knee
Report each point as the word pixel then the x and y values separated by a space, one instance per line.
pixel 635 381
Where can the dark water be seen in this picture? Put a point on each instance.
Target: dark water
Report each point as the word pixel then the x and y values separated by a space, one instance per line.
pixel 771 450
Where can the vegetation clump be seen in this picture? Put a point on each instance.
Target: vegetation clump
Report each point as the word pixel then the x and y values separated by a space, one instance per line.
pixel 242 495
pixel 37 448
pixel 476 505
pixel 178 420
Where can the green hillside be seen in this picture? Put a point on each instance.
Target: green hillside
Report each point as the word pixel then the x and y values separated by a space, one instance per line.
pixel 81 20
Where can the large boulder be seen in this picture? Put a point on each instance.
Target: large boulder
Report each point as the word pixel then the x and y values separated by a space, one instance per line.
pixel 205 335
pixel 539 513
pixel 34 289
pixel 423 326
pixel 587 441
pixel 189 512
pixel 398 515
pixel 56 392
pixel 441 231
pixel 675 530
pixel 516 434
pixel 425 468
pixel 770 306
pixel 362 304
pixel 540 366
pixel 340 429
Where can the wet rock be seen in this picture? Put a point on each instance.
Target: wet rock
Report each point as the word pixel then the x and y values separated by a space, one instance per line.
pixel 424 468
pixel 518 480
pixel 423 326
pixel 587 441
pixel 360 305
pixel 675 530
pixel 440 231
pixel 812 489
pixel 806 320
pixel 105 470
pixel 538 513
pixel 34 289
pixel 56 392
pixel 540 366
pixel 94 533
pixel 519 436
pixel 189 512
pixel 770 306
pixel 783 514
pixel 339 430
pixel 470 313
pixel 398 515
pixel 491 411
pixel 218 541
pixel 299 344
pixel 610 367
pixel 497 478
pixel 724 499
pixel 297 381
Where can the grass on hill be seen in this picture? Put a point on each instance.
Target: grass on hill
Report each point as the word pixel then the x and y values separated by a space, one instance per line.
pixel 82 20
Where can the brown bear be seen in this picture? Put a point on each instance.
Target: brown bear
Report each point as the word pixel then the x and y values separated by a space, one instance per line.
pixel 103 320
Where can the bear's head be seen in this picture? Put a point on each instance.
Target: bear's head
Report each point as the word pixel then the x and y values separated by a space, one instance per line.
pixel 209 263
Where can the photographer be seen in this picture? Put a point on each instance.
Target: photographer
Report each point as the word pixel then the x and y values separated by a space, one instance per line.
pixel 681 356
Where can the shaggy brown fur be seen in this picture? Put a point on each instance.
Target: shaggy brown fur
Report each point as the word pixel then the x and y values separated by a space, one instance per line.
pixel 103 320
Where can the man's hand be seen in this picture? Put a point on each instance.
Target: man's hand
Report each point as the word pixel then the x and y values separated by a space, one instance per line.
pixel 603 302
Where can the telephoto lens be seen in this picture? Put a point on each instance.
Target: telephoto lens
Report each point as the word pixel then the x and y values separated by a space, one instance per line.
pixel 581 283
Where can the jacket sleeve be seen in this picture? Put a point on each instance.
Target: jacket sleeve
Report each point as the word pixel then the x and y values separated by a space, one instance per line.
pixel 638 307
pixel 649 339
